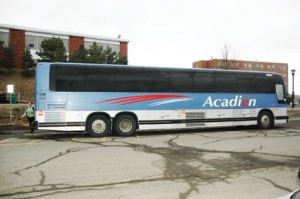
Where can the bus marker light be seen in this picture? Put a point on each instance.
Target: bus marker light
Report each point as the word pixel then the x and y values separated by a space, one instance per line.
pixel 40 113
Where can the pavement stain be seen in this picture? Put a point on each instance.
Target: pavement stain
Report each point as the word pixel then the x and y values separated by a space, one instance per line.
pixel 191 165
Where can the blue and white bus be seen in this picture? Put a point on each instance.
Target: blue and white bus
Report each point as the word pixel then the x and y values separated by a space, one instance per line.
pixel 101 99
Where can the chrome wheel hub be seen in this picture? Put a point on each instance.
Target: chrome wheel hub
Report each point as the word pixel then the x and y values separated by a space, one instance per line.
pixel 98 126
pixel 125 125
pixel 265 120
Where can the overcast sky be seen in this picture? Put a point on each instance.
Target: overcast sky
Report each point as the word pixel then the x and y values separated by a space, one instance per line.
pixel 175 32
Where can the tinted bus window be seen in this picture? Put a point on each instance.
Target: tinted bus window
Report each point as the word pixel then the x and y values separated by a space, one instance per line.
pixel 100 79
pixel 245 83
pixel 67 78
pixel 225 83
pixel 156 80
pixel 181 81
pixel 129 79
pixel 264 84
pixel 204 82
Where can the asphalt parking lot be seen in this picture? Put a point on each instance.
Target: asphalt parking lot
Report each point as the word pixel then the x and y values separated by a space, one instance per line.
pixel 216 163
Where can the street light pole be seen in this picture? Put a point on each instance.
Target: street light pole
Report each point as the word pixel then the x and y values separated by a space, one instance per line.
pixel 293 94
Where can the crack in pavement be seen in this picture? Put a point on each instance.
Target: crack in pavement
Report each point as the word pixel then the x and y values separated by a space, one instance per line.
pixel 60 154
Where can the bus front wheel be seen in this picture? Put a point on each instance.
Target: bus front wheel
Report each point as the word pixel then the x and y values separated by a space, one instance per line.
pixel 98 126
pixel 125 125
pixel 265 120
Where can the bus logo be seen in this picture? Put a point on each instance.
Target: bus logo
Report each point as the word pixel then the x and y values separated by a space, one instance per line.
pixel 238 101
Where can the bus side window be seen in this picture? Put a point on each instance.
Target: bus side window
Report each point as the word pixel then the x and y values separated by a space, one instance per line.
pixel 100 79
pixel 129 80
pixel 156 80
pixel 67 78
pixel 226 83
pixel 246 83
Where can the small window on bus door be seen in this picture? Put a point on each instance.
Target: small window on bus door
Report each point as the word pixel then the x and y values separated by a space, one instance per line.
pixel 280 93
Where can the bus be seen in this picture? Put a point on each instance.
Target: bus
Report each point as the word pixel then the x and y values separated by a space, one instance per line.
pixel 102 99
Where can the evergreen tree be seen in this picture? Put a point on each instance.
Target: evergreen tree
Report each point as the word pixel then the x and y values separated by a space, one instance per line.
pixel 1 44
pixel 122 60
pixel 111 56
pixel 96 54
pixel 79 55
pixel 1 53
pixel 8 58
pixel 52 50
pixel 28 64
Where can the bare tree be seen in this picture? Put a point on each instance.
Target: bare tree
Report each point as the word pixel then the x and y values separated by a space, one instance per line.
pixel 228 60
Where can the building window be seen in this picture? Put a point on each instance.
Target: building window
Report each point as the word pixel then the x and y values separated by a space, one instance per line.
pixel 261 66
pixel 257 66
pixel 4 36
pixel 249 65
pixel 245 65
pixel 34 42
pixel 66 44
pixel 114 47
pixel 219 64
pixel 269 67
pixel 31 42
pixel 284 67
pixel 273 67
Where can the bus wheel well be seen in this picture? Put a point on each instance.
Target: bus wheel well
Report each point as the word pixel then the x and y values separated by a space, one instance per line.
pixel 96 113
pixel 265 119
pixel 129 113
pixel 266 110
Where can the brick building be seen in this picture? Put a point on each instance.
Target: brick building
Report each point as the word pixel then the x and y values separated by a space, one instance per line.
pixel 21 37
pixel 281 68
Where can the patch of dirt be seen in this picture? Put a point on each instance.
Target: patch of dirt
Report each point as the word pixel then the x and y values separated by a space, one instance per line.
pixel 294 113
pixel 17 121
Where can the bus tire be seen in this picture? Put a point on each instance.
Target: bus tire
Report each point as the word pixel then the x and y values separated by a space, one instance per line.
pixel 98 126
pixel 265 120
pixel 125 125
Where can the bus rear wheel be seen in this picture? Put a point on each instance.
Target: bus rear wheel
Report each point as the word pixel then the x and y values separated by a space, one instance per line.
pixel 265 120
pixel 125 125
pixel 98 126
